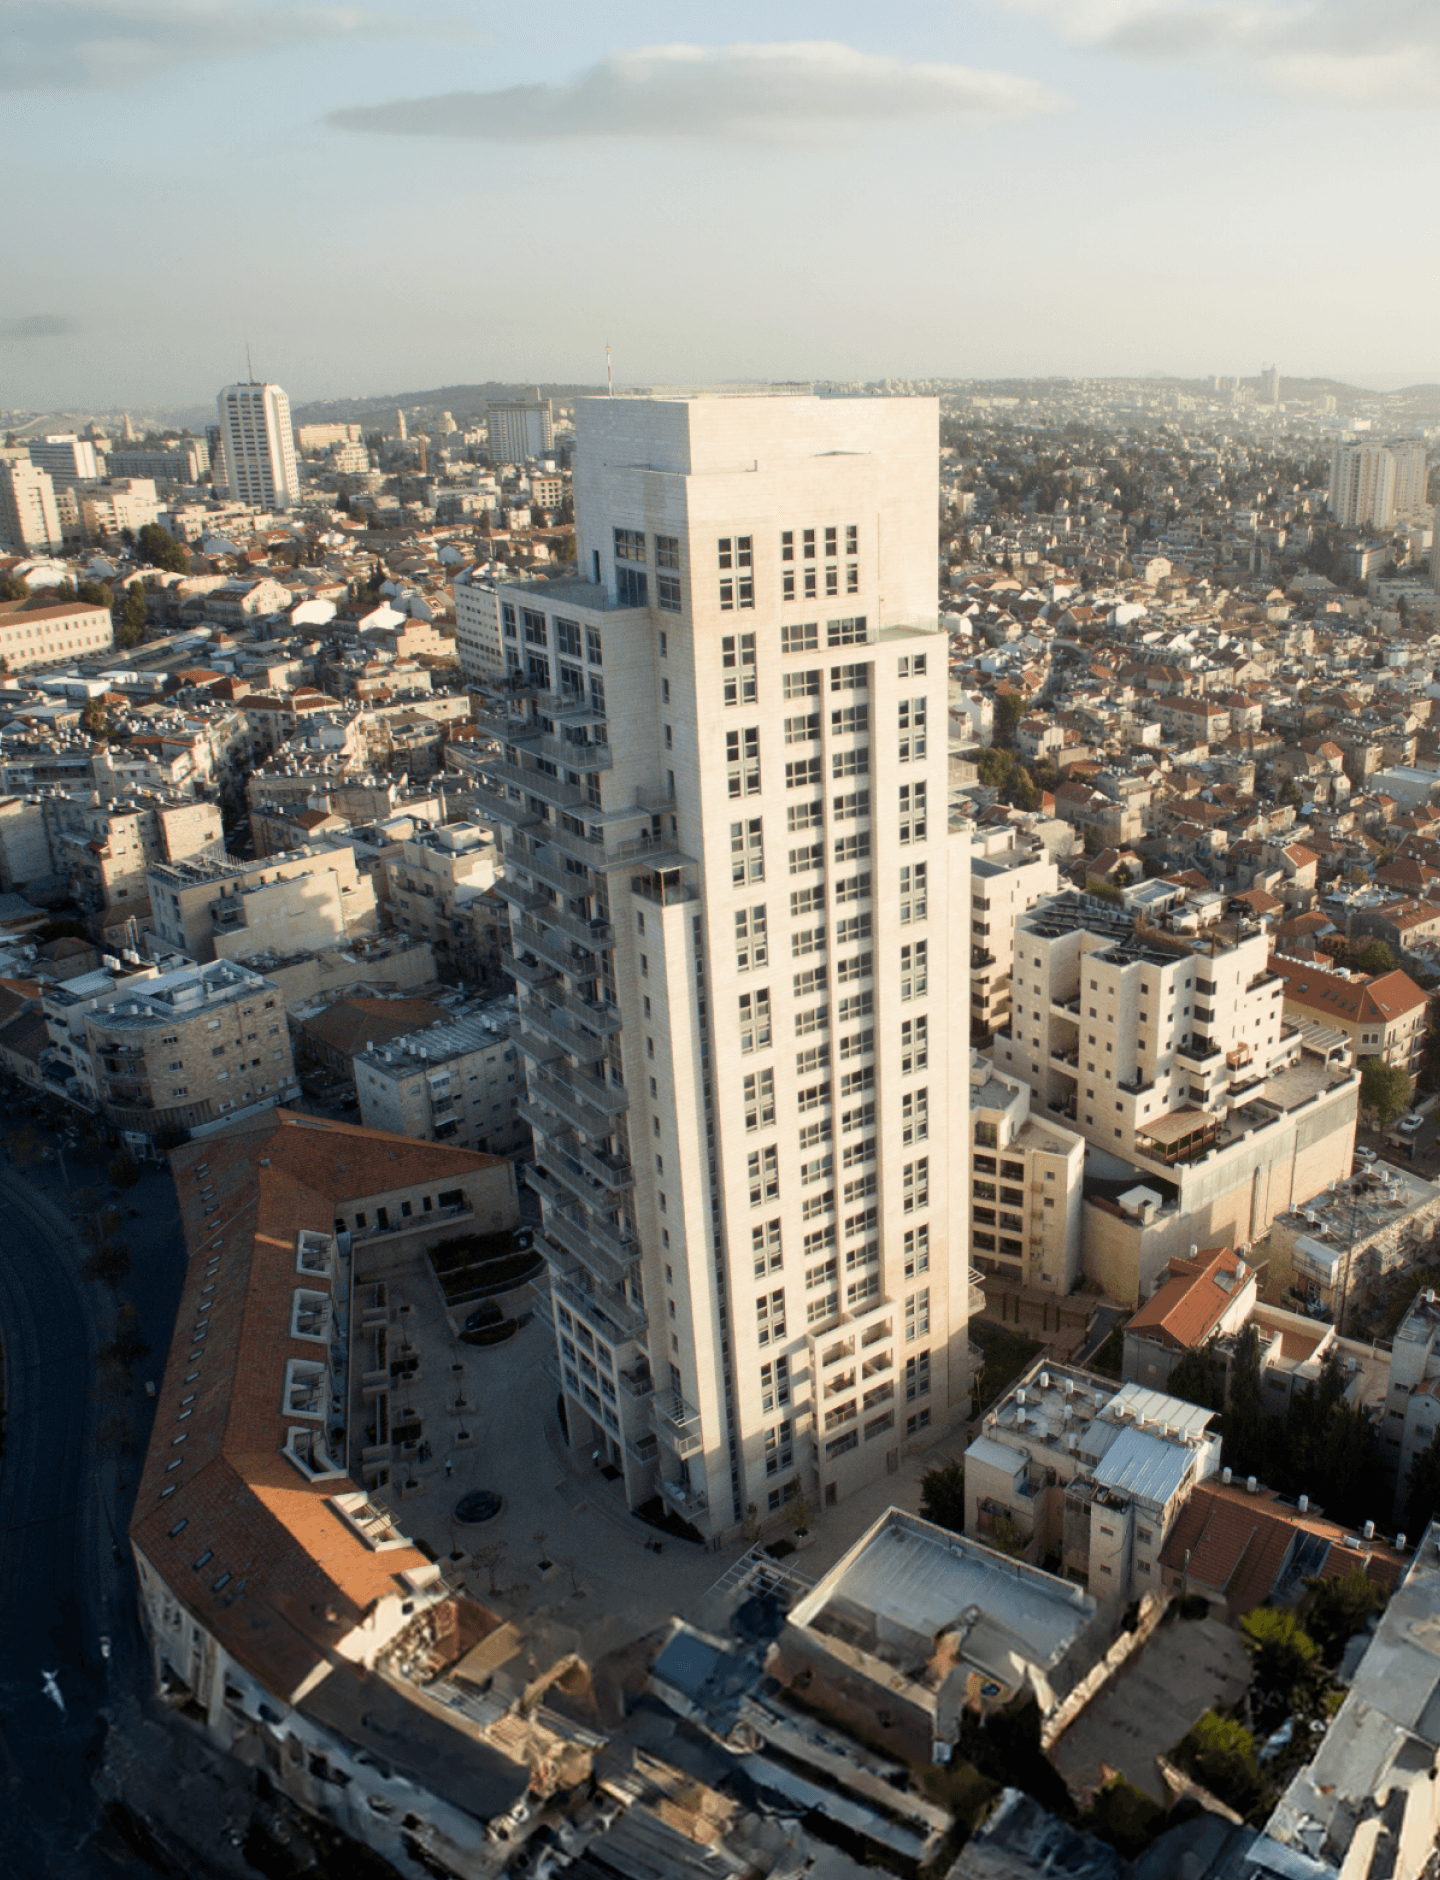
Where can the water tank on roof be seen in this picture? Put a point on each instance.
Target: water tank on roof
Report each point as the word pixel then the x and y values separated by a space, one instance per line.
pixel 1044 1380
pixel 1252 1484
pixel 1369 1530
pixel 1303 1504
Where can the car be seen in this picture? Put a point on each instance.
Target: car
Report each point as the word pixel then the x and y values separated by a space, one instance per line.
pixel 488 1313
pixel 1364 1155
pixel 1409 1126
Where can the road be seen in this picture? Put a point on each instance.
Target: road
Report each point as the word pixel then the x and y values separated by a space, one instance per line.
pixel 62 1508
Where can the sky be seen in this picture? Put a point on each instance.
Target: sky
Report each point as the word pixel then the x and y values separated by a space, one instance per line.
pixel 418 193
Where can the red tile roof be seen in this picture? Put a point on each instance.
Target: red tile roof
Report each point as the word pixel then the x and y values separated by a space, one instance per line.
pixel 1188 1307
pixel 1381 1000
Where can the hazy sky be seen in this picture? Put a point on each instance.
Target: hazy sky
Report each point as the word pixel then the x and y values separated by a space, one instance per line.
pixel 437 191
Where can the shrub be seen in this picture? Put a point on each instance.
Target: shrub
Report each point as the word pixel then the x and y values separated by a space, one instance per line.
pixel 1220 1754
pixel 1283 1652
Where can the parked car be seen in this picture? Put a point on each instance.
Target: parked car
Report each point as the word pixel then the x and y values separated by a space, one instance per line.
pixel 487 1313
pixel 1409 1126
pixel 1364 1155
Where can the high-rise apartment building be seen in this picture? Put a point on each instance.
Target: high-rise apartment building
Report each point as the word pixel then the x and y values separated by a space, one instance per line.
pixel 1372 484
pixel 257 446
pixel 521 429
pixel 29 519
pixel 66 458
pixel 739 926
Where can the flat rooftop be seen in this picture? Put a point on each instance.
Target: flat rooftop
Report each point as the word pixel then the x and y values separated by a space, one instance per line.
pixel 1363 1206
pixel 906 1581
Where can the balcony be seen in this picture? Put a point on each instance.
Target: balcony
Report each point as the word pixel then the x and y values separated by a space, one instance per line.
pixel 552 790
pixel 1135 1086
pixel 685 1496
pixel 676 1423
pixel 528 900
pixel 554 948
pixel 662 851
pixel 530 971
pixel 543 868
pixel 616 1318
pixel 1068 1008
pixel 976 1296
pixel 556 836
pixel 637 1384
pixel 1199 1054
pixel 583 757
pixel 609 1099
pixel 500 808
pixel 573 1236
pixel 662 892
pixel 604 1019
pixel 572 1108
pixel 559 1032
pixel 588 933
pixel 642 1448
pixel 1068 1061
pixel 507 730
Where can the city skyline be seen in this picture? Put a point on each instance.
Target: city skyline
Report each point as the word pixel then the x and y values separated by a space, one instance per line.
pixel 1193 239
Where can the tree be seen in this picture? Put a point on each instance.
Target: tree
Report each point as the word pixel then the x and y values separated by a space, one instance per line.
pixel 1245 1448
pixel 124 1172
pixel 132 615
pixel 110 1264
pixel 1384 1090
pixel 1220 1753
pixel 1283 1652
pixel 1009 710
pixel 11 589
pixel 159 548
pixel 942 1496
pixel 97 593
pixel 1338 1607
pixel 1430 1048
pixel 1422 1494
pixel 1199 1378
pixel 1377 958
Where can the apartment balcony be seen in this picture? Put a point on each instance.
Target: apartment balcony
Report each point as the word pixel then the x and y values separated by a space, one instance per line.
pixel 528 900
pixel 555 1027
pixel 663 893
pixel 542 868
pixel 507 730
pixel 616 1318
pixel 1067 1008
pixel 500 808
pixel 556 836
pixel 574 1237
pixel 1135 1086
pixel 638 1385
pixel 584 756
pixel 685 1497
pixel 588 933
pixel 676 1423
pixel 1199 1054
pixel 662 851
pixel 608 1099
pixel 549 1092
pixel 1066 1061
pixel 552 790
pixel 530 971
pixel 552 946
pixel 975 1299
pixel 642 1449
pixel 604 1019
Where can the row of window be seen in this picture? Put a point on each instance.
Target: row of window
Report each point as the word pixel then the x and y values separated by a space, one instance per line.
pixel 747 838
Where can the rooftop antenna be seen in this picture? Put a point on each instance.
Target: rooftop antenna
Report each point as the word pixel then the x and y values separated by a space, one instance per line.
pixel 609 374
pixel 248 366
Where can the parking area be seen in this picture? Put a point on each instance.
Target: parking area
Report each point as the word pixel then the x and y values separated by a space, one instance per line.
pixel 1188 1667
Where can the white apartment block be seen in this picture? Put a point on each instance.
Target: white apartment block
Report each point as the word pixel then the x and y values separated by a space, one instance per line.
pixel 738 923
pixel 1362 486
pixel 66 458
pixel 457 1083
pixel 1027 1186
pixel 520 429
pixel 1008 873
pixel 284 905
pixel 29 518
pixel 258 446
pixel 477 625
pixel 120 503
pixel 44 636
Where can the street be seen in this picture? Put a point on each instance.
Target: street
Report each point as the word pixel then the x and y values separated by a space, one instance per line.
pixel 63 1513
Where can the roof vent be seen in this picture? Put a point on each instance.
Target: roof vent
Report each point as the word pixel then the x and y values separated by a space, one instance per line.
pixel 1400 1543
pixel 1252 1483
pixel 1020 1395
pixel 1194 1251
pixel 1303 1504
pixel 1369 1530
pixel 1044 1380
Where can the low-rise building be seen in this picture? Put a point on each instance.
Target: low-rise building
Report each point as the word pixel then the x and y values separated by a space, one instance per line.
pixel 106 845
pixel 430 883
pixel 200 1045
pixel 214 907
pixel 42 636
pixel 1331 1251
pixel 1206 1295
pixel 915 1625
pixel 338 1031
pixel 456 1082
pixel 1070 1468
pixel 1383 1016
pixel 1412 1397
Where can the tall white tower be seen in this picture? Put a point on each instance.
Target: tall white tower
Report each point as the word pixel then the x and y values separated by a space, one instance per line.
pixel 740 932
pixel 258 445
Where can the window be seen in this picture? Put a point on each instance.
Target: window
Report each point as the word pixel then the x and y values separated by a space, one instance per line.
pixel 803 862
pixel 857 967
pixel 912 812
pixel 747 852
pixel 818 1170
pixel 763 1169
pixel 866 1222
pixel 775 1384
pixel 534 627
pixel 809 982
pixel 917 1250
pixel 912 730
pixel 800 639
pixel 807 1063
pixel 854 805
pixel 858 1042
pixel 787 545
pixel 853 888
pixel 803 773
pixel 802 816
pixel 770 1316
pixel 851 632
pixel 914 969
pixel 917 1315
pixel 917 1376
pixel 737 665
pixel 754 1020
pixel 841 1444
pixel 915 1116
pixel 853 1082
pixel 806 940
pixel 751 946
pixel 860 1292
pixel 852 928
pixel 850 678
pixel 816 1018
pixel 804 730
pixel 911 666
pixel 567 637
pixel 742 761
pixel 592 647
pixel 854 763
pixel 850 720
pixel 507 618
pixel 810 1097
pixel 801 684
pixel 914 1046
pixel 915 1185
pixel 630 545
pixel 765 1248
pixel 852 849
pixel 913 896
pixel 759 1100
pixel 861 1117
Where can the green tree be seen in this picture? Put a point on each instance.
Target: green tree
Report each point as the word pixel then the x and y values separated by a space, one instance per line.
pixel 1245 1448
pixel 1377 958
pixel 1199 1378
pixel 942 1496
pixel 1125 1817
pixel 132 615
pixel 1338 1607
pixel 11 589
pixel 1384 1090
pixel 1422 1492
pixel 97 593
pixel 1283 1652
pixel 1009 710
pixel 159 548
pixel 1220 1754
pixel 109 1265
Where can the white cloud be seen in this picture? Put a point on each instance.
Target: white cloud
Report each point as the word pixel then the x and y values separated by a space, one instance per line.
pixel 756 92
pixel 48 45
pixel 1358 53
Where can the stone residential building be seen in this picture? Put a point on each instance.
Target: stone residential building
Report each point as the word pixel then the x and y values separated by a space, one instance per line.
pixel 430 883
pixel 1091 1473
pixel 737 910
pixel 1205 1296
pixel 281 1604
pixel 43 636
pixel 29 519
pixel 301 901
pixel 337 1032
pixel 106 847
pixel 1027 1186
pixel 1383 1016
pixel 200 1045
pixel 457 1081
pixel 1412 1398
pixel 1008 874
